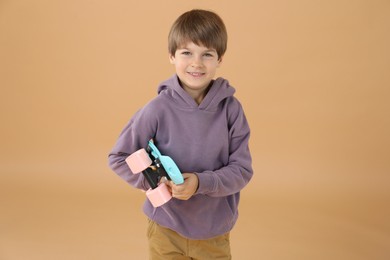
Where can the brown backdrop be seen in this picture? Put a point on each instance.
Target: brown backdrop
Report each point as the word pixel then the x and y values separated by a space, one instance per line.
pixel 314 80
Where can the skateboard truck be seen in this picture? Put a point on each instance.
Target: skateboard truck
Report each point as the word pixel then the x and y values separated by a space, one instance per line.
pixel 155 166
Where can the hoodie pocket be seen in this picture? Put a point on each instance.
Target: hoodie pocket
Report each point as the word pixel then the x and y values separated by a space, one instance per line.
pixel 230 211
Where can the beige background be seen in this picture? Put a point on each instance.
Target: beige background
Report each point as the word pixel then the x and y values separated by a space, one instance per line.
pixel 314 80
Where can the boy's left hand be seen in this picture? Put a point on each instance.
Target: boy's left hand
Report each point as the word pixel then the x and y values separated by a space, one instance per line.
pixel 185 190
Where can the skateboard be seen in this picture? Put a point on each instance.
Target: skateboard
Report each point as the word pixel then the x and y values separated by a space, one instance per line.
pixel 155 166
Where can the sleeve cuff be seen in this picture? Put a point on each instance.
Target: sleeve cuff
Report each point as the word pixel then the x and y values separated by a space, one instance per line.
pixel 206 183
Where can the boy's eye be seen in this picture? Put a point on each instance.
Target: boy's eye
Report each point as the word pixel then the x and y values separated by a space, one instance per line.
pixel 208 55
pixel 186 53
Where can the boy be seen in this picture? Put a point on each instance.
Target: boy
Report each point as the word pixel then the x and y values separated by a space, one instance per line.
pixel 196 120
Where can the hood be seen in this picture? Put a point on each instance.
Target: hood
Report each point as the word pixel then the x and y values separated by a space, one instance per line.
pixel 219 90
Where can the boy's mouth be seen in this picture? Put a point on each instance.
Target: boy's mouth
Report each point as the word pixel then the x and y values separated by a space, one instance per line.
pixel 196 74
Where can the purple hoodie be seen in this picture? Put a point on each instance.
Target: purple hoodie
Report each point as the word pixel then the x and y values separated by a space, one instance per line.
pixel 210 140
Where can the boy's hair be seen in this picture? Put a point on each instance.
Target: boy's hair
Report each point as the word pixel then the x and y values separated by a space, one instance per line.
pixel 200 27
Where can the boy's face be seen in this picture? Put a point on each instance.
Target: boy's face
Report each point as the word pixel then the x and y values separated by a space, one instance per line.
pixel 195 66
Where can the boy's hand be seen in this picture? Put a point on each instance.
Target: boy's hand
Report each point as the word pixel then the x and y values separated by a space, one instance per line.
pixel 185 190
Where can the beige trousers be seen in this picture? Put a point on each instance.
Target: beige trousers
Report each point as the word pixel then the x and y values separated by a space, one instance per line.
pixel 165 243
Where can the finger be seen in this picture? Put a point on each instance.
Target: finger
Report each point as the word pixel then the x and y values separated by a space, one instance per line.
pixel 178 189
pixel 169 183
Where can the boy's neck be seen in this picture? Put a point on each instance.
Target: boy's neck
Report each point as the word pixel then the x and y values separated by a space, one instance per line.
pixel 198 95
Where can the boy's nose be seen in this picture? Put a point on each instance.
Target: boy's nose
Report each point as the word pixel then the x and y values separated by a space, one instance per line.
pixel 196 62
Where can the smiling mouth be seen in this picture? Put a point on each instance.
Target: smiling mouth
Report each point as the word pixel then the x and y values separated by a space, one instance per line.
pixel 196 74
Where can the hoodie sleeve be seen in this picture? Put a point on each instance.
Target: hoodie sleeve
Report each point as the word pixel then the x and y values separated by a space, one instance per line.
pixel 233 177
pixel 136 134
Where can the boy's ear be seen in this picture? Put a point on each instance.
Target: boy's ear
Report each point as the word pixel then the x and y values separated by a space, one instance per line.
pixel 171 58
pixel 220 61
